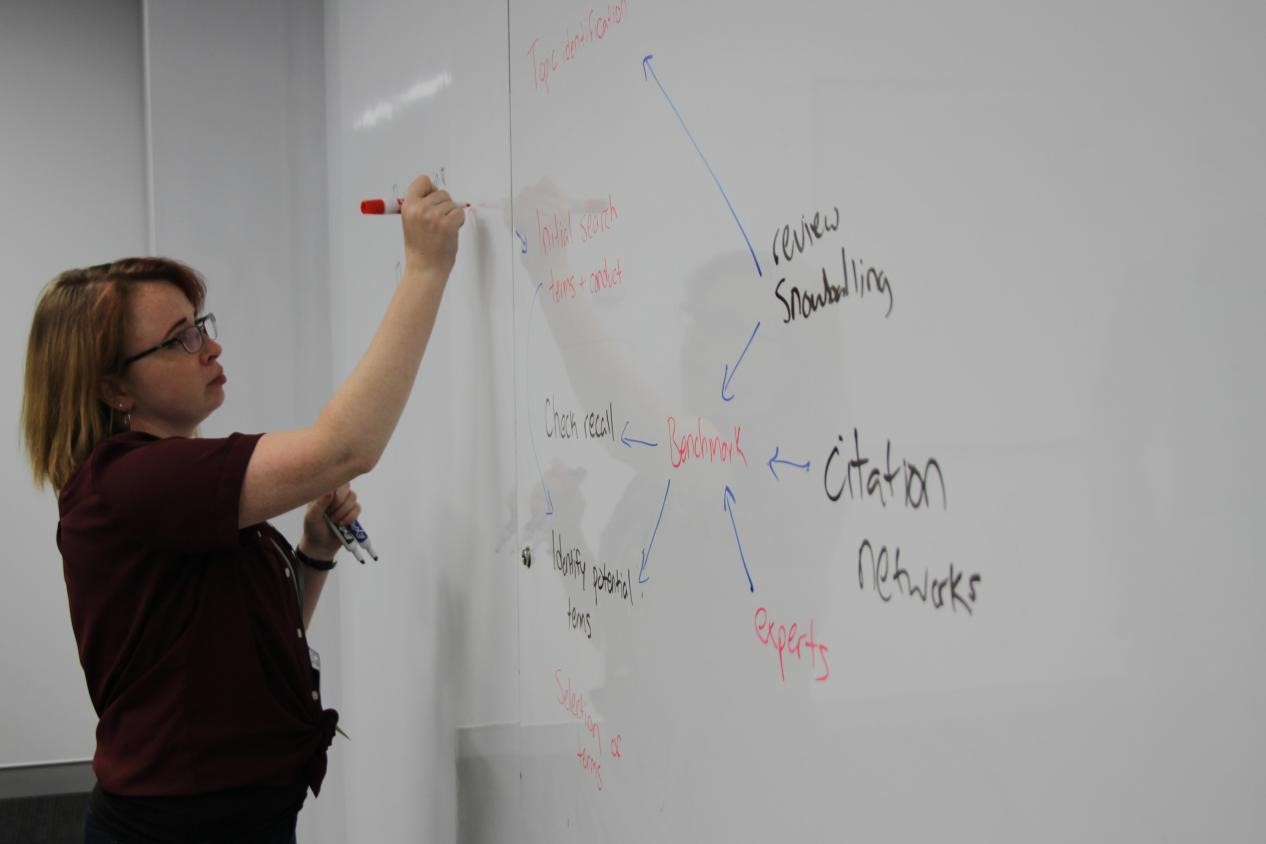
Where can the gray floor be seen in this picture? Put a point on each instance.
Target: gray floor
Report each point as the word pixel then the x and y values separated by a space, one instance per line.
pixel 44 803
pixel 48 819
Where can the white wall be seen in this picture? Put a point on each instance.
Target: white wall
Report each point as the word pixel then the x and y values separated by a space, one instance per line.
pixel 72 174
pixel 237 98
pixel 237 144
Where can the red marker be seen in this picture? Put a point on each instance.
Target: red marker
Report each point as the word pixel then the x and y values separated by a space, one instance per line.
pixel 381 206
pixel 384 206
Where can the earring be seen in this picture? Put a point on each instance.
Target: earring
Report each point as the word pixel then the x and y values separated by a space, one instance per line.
pixel 126 420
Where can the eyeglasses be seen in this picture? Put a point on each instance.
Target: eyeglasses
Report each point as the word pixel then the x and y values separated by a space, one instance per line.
pixel 190 337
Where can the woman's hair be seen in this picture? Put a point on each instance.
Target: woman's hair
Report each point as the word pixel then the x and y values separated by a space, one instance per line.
pixel 77 338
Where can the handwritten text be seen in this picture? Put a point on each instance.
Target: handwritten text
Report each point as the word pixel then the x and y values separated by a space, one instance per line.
pixel 595 27
pixel 889 577
pixel 694 445
pixel 791 642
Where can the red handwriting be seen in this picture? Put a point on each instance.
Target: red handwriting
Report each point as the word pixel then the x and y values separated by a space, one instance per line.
pixel 605 277
pixel 594 223
pixel 590 764
pixel 542 68
pixel 556 236
pixel 791 642
pixel 596 26
pixel 562 288
pixel 696 445
pixel 574 702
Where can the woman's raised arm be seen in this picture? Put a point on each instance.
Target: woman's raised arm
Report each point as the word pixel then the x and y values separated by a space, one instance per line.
pixel 291 468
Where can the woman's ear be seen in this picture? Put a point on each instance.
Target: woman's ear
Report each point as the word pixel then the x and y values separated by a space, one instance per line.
pixel 114 395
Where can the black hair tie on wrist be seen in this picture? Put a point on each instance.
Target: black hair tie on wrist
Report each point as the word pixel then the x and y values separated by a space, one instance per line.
pixel 319 565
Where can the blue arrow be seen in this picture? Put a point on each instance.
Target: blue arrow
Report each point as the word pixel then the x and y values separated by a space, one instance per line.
pixel 774 459
pixel 729 373
pixel 522 240
pixel 628 441
pixel 646 552
pixel 647 69
pixel 727 503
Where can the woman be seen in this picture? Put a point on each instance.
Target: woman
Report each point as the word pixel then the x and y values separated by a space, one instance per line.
pixel 188 608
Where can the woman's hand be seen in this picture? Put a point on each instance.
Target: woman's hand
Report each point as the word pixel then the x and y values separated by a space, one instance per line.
pixel 431 220
pixel 319 542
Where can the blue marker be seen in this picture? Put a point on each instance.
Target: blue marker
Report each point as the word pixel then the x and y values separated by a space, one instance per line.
pixel 346 537
pixel 362 538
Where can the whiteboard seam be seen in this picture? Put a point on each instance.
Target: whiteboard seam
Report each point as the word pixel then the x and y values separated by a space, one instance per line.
pixel 514 333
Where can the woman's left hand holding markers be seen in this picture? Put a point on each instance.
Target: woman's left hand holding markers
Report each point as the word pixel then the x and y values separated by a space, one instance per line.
pixel 342 508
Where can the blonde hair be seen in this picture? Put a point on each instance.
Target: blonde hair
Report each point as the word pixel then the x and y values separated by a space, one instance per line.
pixel 77 338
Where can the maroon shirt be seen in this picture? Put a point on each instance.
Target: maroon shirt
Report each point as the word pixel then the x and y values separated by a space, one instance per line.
pixel 190 631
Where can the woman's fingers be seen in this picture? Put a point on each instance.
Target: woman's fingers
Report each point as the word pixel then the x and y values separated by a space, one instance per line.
pixel 345 508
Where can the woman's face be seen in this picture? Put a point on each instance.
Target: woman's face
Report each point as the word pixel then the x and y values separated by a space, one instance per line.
pixel 168 392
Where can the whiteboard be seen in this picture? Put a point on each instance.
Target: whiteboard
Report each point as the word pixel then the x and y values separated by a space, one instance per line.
pixel 883 447
pixel 428 634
